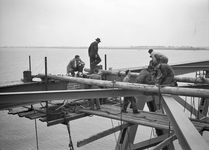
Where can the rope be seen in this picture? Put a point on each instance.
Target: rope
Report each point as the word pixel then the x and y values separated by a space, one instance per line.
pixel 69 133
pixel 36 130
pixel 185 103
pixel 114 132
pixel 150 137
pixel 113 86
pixel 159 97
pixel 40 64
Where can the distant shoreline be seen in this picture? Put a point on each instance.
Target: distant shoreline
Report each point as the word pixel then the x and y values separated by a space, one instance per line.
pixel 133 47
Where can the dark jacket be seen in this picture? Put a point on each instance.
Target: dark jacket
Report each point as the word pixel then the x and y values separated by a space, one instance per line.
pixel 166 71
pixel 73 63
pixel 93 49
pixel 145 77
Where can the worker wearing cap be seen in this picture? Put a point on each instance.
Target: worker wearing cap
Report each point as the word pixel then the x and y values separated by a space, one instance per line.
pixel 93 54
pixel 167 75
pixel 157 58
pixel 76 64
pixel 146 76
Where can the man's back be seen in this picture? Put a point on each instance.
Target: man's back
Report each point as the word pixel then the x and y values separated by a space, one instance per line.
pixel 166 71
pixel 93 49
pixel 144 77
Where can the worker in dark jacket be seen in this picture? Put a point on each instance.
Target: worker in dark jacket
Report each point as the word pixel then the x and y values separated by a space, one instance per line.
pixel 76 64
pixel 145 76
pixel 167 75
pixel 93 54
pixel 127 99
pixel 157 58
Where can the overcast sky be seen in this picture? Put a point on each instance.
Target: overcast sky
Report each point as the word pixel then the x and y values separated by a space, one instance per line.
pixel 115 22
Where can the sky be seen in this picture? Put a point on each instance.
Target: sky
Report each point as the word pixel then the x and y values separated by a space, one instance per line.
pixel 115 22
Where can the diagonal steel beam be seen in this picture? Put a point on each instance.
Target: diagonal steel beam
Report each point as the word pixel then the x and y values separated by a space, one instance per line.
pixel 164 143
pixel 151 142
pixel 103 134
pixel 189 138
pixel 187 106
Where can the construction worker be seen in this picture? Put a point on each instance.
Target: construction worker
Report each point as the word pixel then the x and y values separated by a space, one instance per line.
pixel 157 58
pixel 129 99
pixel 95 101
pixel 146 76
pixel 167 75
pixel 76 64
pixel 93 54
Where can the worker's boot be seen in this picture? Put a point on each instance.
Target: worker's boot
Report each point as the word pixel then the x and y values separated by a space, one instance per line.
pixel 124 111
pixel 136 112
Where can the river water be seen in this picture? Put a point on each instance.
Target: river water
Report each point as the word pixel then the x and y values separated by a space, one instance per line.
pixel 19 133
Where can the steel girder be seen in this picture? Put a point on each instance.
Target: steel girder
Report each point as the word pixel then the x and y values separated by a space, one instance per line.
pixel 188 136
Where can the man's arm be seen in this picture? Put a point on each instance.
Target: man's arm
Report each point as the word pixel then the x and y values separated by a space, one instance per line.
pixel 153 57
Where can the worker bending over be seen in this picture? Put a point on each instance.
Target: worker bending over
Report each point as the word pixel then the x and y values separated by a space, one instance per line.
pixel 167 75
pixel 157 58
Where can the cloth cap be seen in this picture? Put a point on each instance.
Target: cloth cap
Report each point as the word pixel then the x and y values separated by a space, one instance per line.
pixel 127 71
pixel 150 51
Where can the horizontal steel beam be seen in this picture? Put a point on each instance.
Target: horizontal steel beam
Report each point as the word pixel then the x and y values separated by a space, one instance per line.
pixel 39 96
pixel 188 136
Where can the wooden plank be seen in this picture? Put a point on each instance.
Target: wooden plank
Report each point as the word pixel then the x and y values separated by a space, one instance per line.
pixel 165 143
pixel 150 142
pixel 136 120
pixel 24 114
pixel 35 115
pixel 17 110
pixel 70 117
pixel 187 134
pixel 149 119
pixel 103 134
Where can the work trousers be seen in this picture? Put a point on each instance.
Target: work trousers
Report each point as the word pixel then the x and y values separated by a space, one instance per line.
pixel 126 102
pixel 93 102
pixel 93 62
pixel 167 81
pixel 79 68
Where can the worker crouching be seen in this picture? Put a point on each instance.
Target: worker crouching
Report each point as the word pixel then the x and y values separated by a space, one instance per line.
pixel 76 64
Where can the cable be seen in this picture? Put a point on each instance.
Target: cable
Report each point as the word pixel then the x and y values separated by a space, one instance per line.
pixel 159 97
pixel 36 130
pixel 114 132
pixel 150 136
